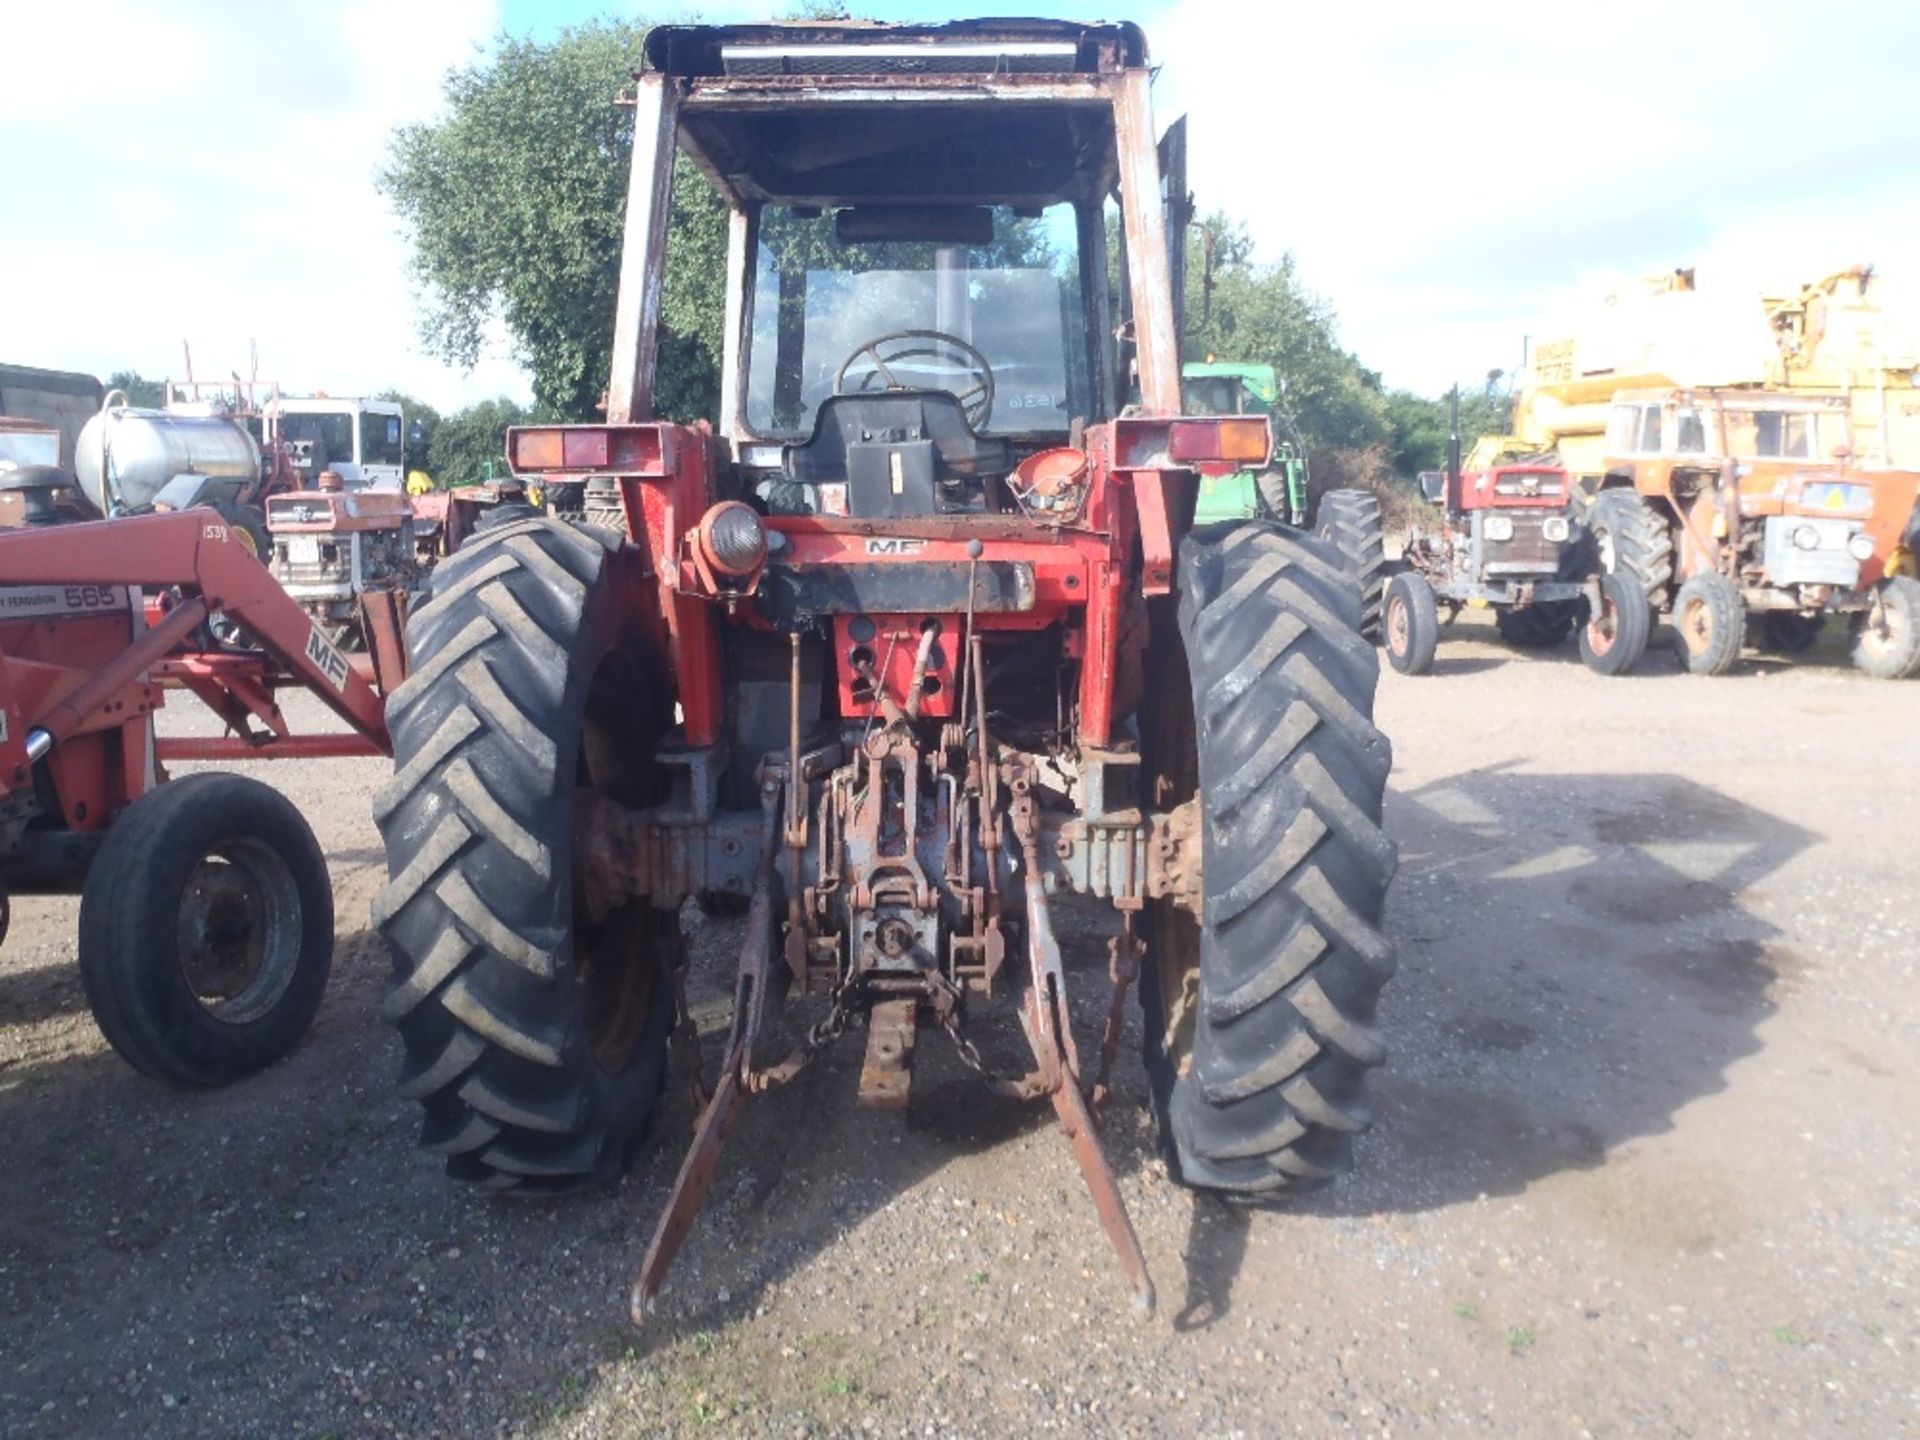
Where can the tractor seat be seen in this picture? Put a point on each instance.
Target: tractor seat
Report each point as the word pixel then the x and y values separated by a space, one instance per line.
pixel 899 454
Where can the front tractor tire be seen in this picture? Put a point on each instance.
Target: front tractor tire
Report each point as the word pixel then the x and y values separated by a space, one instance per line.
pixel 206 930
pixel 535 1033
pixel 1612 641
pixel 1410 629
pixel 1350 521
pixel 1710 619
pixel 1886 638
pixel 1260 1014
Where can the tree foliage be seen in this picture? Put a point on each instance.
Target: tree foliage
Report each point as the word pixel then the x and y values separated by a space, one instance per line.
pixel 143 393
pixel 515 203
pixel 1420 423
pixel 469 446
pixel 1264 314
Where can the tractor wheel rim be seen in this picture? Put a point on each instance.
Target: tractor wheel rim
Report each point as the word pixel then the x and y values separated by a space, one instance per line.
pixel 1604 628
pixel 1397 626
pixel 1696 626
pixel 617 965
pixel 618 958
pixel 237 930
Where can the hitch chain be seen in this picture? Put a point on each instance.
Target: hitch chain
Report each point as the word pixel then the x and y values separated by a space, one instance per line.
pixel 1028 1087
pixel 819 1037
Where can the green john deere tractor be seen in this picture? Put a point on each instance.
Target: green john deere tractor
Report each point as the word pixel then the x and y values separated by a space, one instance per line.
pixel 1350 518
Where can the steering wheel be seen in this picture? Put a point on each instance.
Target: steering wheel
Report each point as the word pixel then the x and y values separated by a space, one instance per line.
pixel 976 401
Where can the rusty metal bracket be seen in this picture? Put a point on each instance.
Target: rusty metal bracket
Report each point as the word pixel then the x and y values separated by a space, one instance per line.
pixel 886 1079
pixel 716 1123
pixel 1049 1032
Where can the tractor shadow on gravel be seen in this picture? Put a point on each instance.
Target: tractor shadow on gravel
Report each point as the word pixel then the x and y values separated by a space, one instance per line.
pixel 1575 967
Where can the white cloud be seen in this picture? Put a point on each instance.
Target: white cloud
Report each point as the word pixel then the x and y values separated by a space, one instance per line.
pixel 1454 177
pixel 212 180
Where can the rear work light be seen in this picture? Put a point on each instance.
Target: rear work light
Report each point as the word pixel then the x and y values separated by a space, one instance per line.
pixel 1244 439
pixel 583 449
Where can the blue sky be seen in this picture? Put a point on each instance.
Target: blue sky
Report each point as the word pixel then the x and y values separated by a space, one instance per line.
pixel 1451 178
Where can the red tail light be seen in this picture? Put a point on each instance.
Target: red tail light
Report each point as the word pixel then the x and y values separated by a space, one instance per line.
pixel 1244 439
pixel 585 449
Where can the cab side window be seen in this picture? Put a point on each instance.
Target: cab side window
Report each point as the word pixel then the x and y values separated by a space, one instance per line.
pixel 1647 440
pixel 380 439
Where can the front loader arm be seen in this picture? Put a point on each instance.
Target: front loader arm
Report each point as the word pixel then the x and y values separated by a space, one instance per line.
pixel 195 551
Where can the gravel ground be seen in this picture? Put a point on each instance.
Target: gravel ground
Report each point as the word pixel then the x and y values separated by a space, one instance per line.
pixel 1643 1159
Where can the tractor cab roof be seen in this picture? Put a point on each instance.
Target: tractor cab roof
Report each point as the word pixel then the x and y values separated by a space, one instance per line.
pixel 978 112
pixel 1263 381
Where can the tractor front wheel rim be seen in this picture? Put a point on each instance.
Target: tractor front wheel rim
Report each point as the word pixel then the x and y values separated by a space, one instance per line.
pixel 237 931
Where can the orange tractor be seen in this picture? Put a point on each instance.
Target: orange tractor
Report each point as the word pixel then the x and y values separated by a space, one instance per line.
pixel 1738 506
pixel 916 636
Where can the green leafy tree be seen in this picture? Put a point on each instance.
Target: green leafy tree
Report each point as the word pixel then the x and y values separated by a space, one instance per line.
pixel 470 445
pixel 1420 423
pixel 515 203
pixel 142 392
pixel 1264 314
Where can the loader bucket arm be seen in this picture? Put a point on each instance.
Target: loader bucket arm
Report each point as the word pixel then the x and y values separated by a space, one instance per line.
pixel 197 552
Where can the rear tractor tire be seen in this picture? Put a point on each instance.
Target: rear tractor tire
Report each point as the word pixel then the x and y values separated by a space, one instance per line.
pixel 1259 1015
pixel 1410 630
pixel 1710 619
pixel 1537 627
pixel 1631 538
pixel 206 930
pixel 1612 642
pixel 1350 520
pixel 535 1033
pixel 1886 642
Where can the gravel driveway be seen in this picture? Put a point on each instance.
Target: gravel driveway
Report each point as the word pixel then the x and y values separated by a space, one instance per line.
pixel 1644 1157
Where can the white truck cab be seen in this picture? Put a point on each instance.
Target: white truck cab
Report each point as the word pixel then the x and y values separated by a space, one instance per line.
pixel 363 440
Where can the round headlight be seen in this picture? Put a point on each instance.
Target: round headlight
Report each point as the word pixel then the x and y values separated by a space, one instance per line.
pixel 1860 546
pixel 1499 527
pixel 1805 537
pixel 1555 528
pixel 733 538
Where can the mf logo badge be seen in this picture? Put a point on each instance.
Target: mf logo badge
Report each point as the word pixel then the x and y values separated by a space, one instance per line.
pixel 330 661
pixel 894 545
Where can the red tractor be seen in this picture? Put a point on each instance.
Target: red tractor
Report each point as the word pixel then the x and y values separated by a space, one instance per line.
pixel 206 914
pixel 1508 539
pixel 917 636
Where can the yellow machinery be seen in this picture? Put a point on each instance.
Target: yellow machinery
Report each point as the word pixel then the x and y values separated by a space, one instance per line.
pixel 1830 338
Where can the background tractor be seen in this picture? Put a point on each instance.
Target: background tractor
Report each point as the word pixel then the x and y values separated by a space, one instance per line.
pixel 1281 490
pixel 1507 539
pixel 874 650
pixel 1738 505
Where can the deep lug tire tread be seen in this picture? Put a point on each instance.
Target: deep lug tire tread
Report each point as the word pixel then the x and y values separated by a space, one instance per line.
pixel 1292 954
pixel 1642 543
pixel 477 820
pixel 1351 520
